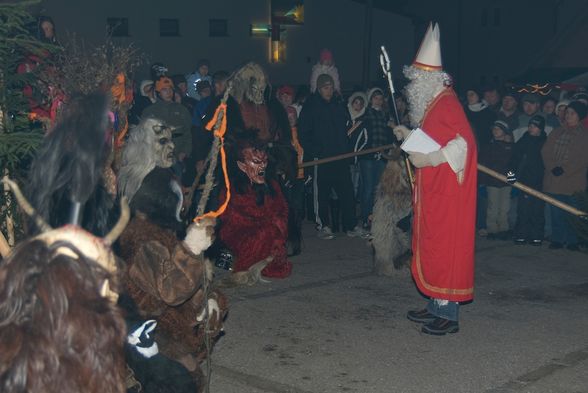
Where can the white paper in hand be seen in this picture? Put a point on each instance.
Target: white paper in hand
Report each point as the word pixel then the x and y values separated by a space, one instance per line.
pixel 418 141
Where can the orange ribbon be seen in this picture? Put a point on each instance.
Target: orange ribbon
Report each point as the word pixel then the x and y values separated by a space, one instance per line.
pixel 120 96
pixel 220 133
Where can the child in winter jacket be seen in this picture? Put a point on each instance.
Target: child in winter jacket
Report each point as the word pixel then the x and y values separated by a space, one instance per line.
pixel 527 167
pixel 496 155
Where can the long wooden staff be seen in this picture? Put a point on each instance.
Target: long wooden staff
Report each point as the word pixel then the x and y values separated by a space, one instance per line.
pixel 481 168
pixel 535 193
pixel 385 63
pixel 345 155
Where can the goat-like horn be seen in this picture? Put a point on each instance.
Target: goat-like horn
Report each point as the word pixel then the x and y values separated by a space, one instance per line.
pixel 26 206
pixel 125 214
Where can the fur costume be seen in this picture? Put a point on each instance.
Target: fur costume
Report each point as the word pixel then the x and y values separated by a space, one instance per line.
pixel 255 224
pixel 392 208
pixel 65 182
pixel 152 371
pixel 260 110
pixel 166 277
pixel 60 329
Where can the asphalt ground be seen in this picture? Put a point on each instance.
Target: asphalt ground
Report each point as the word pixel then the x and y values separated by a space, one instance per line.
pixel 334 326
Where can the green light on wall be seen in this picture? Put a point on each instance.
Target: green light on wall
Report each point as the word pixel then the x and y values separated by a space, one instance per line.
pixel 260 30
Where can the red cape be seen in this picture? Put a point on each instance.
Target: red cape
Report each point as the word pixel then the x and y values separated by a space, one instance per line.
pixel 254 232
pixel 445 210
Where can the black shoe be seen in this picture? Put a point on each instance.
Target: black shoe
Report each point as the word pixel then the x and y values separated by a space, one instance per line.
pixel 440 327
pixel 420 316
pixel 520 241
pixel 555 246
pixel 536 242
pixel 573 247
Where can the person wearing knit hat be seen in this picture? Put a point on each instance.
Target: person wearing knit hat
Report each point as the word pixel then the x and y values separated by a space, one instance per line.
pixel 285 95
pixel 579 107
pixel 581 96
pixel 538 121
pixel 446 184
pixel 323 80
pixel 527 167
pixel 496 156
pixel 502 125
pixel 322 130
pixel 158 70
pixel 325 65
pixel 566 164
pixel 531 106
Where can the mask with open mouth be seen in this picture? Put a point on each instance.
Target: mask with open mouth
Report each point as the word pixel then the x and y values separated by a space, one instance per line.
pixel 164 147
pixel 253 164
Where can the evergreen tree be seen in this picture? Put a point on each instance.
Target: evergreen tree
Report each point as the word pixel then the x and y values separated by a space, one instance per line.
pixel 20 134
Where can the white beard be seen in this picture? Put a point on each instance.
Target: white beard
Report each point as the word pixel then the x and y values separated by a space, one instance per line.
pixel 424 86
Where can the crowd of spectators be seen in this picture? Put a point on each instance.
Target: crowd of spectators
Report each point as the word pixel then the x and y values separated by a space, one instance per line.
pixel 537 138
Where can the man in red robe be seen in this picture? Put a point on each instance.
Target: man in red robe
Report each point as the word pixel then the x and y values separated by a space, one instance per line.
pixel 444 197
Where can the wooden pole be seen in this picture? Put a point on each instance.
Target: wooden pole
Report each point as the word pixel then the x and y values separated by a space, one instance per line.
pixel 345 155
pixel 481 168
pixel 535 193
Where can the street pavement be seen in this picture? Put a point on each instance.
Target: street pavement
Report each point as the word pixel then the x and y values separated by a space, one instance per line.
pixel 335 326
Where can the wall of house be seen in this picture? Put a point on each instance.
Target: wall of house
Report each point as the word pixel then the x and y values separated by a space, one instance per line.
pixel 334 24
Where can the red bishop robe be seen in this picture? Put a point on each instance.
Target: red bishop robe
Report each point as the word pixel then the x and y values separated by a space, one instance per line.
pixel 255 232
pixel 445 209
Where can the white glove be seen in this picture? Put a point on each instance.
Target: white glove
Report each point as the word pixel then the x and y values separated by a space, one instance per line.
pixel 401 132
pixel 199 236
pixel 421 160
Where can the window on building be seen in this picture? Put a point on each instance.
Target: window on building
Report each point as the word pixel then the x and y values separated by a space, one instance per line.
pixel 169 27
pixel 496 17
pixel 118 27
pixel 218 28
pixel 484 18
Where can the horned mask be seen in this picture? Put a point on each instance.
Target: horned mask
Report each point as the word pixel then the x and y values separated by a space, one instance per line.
pixel 90 246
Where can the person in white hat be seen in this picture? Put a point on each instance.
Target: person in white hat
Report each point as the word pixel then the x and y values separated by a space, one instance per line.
pixel 444 202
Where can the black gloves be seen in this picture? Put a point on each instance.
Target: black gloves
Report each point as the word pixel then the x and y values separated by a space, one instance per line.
pixel 511 177
pixel 557 171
